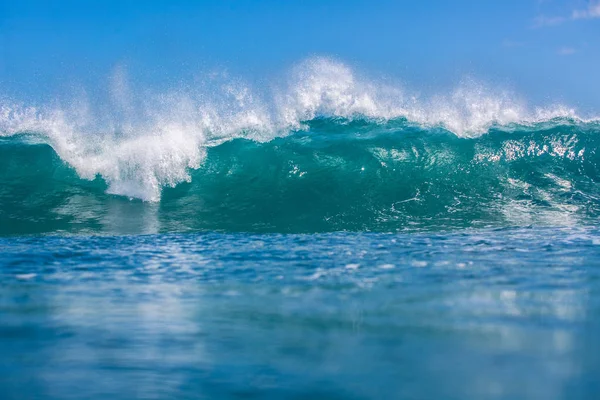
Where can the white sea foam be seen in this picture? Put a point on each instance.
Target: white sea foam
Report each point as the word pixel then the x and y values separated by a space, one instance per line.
pixel 143 141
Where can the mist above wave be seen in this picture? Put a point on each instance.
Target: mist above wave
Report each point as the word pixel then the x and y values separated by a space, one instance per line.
pixel 140 141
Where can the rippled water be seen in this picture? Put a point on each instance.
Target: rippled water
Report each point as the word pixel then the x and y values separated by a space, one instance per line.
pixel 478 314
pixel 395 247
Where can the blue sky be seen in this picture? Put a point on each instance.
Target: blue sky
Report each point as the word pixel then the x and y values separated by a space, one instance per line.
pixel 546 50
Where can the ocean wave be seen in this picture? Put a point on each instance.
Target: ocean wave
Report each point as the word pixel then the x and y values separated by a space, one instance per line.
pixel 334 174
pixel 323 149
pixel 141 141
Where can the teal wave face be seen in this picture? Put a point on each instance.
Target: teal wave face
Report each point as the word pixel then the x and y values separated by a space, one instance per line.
pixel 336 175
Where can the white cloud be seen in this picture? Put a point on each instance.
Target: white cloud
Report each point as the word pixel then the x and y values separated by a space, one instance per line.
pixel 593 11
pixel 512 43
pixel 542 21
pixel 566 51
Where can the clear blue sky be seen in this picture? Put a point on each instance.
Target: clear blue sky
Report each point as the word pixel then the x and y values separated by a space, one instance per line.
pixel 547 50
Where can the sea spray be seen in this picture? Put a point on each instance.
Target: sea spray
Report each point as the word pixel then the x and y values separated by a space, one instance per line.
pixel 326 149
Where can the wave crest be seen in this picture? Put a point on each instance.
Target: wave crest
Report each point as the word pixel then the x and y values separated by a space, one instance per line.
pixel 141 141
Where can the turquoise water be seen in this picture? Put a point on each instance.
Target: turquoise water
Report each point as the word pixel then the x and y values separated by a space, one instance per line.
pixel 335 243
pixel 336 175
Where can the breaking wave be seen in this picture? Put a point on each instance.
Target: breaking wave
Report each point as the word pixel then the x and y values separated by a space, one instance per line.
pixel 328 151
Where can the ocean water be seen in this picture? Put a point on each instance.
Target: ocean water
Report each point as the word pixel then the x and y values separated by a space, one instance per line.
pixel 342 240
